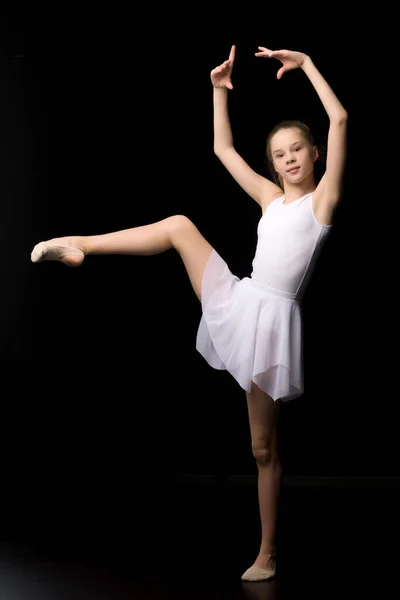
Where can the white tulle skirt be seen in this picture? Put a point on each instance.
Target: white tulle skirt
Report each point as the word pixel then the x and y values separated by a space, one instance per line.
pixel 252 331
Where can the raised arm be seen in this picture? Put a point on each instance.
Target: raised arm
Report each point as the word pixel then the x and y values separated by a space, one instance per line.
pixel 329 189
pixel 261 189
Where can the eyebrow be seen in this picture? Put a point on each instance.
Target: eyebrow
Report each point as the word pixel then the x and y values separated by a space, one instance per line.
pixel 279 150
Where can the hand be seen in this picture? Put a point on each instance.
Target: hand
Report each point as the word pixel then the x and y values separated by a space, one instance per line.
pixel 221 76
pixel 289 58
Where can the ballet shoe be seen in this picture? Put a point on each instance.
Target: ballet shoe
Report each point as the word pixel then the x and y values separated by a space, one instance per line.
pixel 57 252
pixel 255 573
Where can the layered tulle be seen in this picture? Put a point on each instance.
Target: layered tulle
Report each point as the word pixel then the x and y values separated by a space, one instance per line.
pixel 251 330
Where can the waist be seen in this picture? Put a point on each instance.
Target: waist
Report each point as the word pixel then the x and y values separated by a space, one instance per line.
pixel 294 297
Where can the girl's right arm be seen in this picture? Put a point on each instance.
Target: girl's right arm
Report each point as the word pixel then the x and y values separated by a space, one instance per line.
pixel 261 189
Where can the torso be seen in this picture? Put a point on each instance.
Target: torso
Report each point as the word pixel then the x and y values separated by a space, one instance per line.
pixel 323 212
pixel 289 234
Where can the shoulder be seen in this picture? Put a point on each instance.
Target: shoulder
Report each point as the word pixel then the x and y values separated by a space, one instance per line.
pixel 269 196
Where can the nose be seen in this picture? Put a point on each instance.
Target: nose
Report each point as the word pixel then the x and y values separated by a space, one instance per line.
pixel 290 159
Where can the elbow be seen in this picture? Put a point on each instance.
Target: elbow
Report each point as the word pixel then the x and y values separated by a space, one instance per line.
pixel 220 150
pixel 341 118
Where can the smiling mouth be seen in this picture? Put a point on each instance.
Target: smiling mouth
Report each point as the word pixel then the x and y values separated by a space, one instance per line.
pixel 293 170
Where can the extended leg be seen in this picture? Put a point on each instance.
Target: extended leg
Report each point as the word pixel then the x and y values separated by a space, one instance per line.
pixel 174 232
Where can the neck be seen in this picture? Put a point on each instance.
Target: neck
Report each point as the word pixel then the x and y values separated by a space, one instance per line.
pixel 294 191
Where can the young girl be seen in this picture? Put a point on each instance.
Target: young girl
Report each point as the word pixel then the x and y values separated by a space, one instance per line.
pixel 251 327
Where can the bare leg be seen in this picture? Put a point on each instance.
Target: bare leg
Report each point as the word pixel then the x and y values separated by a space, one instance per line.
pixel 174 232
pixel 263 417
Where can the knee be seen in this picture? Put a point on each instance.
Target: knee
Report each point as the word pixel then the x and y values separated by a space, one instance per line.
pixel 180 228
pixel 179 223
pixel 265 455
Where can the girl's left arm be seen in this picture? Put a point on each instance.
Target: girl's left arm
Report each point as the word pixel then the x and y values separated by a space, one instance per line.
pixel 329 189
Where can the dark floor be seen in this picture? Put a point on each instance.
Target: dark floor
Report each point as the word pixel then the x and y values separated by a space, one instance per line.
pixel 192 537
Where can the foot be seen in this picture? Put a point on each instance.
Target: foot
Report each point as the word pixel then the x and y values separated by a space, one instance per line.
pixel 264 568
pixel 67 250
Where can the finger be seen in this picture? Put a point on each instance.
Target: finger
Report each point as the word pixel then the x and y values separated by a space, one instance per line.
pixel 229 85
pixel 232 53
pixel 280 53
pixel 280 72
pixel 265 52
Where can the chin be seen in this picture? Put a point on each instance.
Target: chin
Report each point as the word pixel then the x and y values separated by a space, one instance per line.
pixel 294 179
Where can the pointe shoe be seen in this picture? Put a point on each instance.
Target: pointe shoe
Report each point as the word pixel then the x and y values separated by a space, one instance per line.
pixel 255 573
pixel 50 251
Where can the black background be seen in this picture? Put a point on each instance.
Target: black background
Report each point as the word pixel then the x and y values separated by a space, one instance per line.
pixel 106 123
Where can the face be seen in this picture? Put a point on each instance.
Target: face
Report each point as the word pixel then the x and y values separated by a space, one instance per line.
pixel 292 155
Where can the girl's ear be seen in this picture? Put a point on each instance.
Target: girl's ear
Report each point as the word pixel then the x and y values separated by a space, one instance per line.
pixel 315 152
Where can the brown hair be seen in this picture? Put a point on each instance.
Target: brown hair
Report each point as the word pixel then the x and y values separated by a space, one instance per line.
pixel 307 135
